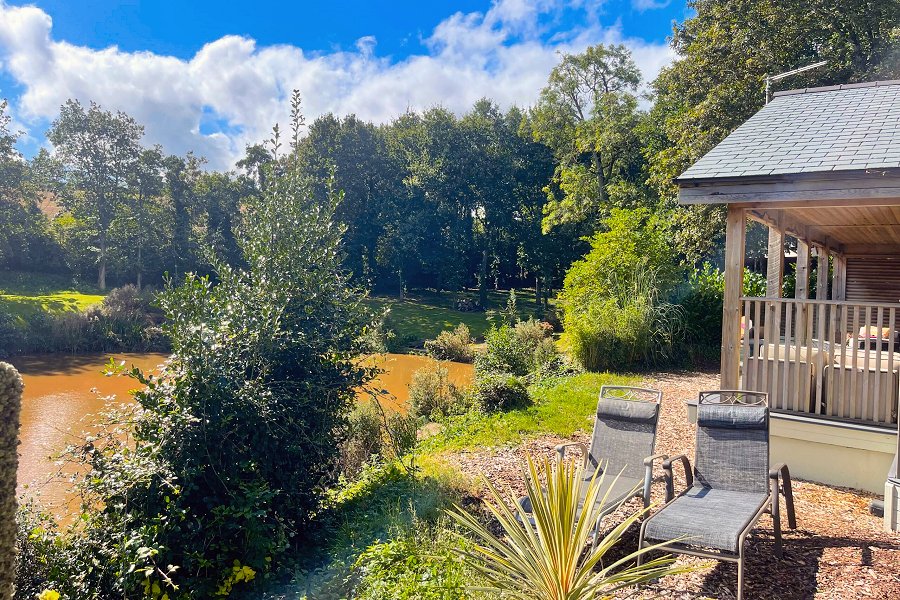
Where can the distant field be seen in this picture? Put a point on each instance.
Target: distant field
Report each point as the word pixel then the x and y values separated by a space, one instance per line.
pixel 422 315
pixel 22 294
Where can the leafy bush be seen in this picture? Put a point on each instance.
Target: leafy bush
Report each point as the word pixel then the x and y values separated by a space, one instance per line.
pixel 500 391
pixel 420 563
pixel 363 440
pixel 633 241
pixel 702 306
pixel 432 395
pixel 230 451
pixel 627 327
pixel 518 350
pixel 453 345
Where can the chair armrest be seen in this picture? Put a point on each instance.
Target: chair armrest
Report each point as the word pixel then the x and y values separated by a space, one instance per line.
pixel 561 451
pixel 670 476
pixel 780 477
pixel 648 476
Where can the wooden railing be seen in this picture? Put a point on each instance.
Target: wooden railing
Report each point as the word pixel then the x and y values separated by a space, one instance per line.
pixel 811 357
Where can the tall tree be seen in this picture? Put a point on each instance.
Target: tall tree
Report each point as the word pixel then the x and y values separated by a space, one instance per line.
pixel 181 174
pixel 99 149
pixel 587 115
pixel 147 183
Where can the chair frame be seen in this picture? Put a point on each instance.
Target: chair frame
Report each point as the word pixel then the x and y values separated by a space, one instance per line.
pixel 627 393
pixel 779 485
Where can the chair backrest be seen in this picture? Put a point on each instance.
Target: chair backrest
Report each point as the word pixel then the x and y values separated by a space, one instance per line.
pixel 625 429
pixel 732 441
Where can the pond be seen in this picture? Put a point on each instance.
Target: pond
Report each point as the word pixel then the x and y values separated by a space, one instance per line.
pixel 64 393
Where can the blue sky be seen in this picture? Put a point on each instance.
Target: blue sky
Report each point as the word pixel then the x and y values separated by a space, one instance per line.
pixel 214 76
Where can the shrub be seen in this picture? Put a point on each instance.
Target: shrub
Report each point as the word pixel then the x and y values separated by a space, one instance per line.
pixel 626 328
pixel 363 439
pixel 230 451
pixel 519 350
pixel 420 563
pixel 453 345
pixel 702 306
pixel 432 395
pixel 500 391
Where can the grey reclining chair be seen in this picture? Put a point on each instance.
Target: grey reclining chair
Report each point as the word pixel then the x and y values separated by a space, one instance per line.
pixel 730 486
pixel 622 445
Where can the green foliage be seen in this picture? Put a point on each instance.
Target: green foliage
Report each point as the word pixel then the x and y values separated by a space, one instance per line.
pixel 421 563
pixel 702 306
pixel 232 448
pixel 632 241
pixel 548 561
pixel 519 350
pixel 625 327
pixel 500 391
pixel 587 114
pixel 453 345
pixel 432 395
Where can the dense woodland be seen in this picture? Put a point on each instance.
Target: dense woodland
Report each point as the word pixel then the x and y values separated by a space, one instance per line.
pixel 434 199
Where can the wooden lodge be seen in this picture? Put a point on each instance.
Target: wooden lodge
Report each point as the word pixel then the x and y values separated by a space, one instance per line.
pixel 820 168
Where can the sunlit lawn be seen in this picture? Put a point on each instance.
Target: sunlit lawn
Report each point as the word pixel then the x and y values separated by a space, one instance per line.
pixel 22 294
pixel 422 315
pixel 560 407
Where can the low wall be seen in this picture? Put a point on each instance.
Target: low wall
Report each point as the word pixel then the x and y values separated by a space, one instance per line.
pixel 834 453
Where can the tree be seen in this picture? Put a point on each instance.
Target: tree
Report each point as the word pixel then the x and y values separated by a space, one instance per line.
pixel 587 114
pixel 99 149
pixel 147 183
pixel 181 174
pixel 725 52
pixel 25 241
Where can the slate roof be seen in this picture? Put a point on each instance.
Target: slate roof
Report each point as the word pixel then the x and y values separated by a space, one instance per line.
pixel 833 128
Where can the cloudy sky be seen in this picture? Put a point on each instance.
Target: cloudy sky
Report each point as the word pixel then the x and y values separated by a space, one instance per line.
pixel 213 77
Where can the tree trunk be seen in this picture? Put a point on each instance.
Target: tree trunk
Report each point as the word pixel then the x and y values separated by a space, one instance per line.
pixel 101 275
pixel 538 289
pixel 482 279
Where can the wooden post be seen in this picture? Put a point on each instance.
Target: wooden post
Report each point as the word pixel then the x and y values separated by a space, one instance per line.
pixel 801 290
pixel 735 232
pixel 839 285
pixel 821 274
pixel 775 263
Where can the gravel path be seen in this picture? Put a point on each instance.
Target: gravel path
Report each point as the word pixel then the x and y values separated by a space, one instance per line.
pixel 838 551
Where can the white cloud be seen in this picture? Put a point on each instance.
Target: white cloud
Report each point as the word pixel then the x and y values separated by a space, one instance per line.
pixel 642 5
pixel 232 91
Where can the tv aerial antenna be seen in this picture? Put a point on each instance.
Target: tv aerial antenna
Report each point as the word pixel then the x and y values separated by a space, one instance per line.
pixel 772 78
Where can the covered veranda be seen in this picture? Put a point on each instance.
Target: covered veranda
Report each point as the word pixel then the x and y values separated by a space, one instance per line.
pixel 819 167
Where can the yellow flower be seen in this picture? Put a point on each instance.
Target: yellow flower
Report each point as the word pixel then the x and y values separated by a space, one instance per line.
pixel 48 595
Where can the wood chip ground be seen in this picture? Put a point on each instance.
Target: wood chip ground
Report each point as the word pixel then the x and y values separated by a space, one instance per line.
pixel 838 551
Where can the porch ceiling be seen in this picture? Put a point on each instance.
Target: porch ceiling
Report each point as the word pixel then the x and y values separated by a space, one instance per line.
pixel 843 229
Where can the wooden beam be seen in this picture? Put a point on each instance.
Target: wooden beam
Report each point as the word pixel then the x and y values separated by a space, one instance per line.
pixel 839 285
pixel 801 289
pixel 775 263
pixel 822 278
pixel 735 234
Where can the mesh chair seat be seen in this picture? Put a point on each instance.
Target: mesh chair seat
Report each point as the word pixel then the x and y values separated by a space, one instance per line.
pixel 709 517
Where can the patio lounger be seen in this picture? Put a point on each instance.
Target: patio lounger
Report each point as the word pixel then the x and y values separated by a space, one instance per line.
pixel 730 486
pixel 622 446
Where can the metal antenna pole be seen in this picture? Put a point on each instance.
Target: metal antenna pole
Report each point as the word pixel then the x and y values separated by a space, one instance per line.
pixel 780 76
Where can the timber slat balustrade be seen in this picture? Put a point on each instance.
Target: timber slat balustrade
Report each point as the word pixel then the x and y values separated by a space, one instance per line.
pixel 827 358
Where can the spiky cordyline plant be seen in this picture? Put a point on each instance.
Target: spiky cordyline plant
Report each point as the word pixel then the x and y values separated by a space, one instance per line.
pixel 552 560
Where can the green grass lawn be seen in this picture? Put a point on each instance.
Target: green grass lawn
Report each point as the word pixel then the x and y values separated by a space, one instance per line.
pixel 22 294
pixel 422 315
pixel 561 407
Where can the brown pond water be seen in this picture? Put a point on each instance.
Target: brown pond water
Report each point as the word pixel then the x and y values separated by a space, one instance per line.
pixel 64 394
